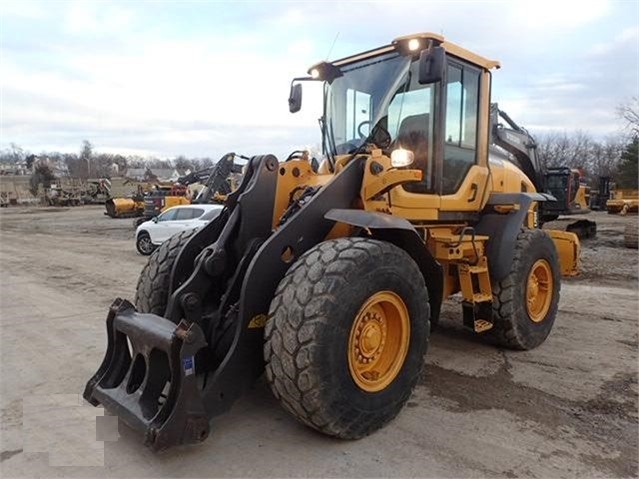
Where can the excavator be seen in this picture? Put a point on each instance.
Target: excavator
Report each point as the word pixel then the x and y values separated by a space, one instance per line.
pixel 570 194
pixel 218 180
pixel 328 280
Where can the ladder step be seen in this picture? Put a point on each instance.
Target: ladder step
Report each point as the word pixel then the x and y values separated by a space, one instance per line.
pixel 482 297
pixel 482 325
pixel 477 269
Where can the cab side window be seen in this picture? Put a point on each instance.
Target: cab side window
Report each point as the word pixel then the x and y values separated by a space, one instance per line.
pixel 462 103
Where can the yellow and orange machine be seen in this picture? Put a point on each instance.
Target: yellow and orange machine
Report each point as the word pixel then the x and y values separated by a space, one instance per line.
pixel 330 280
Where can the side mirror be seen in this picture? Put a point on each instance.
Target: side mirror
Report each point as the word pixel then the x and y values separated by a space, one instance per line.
pixel 155 219
pixel 295 98
pixel 431 65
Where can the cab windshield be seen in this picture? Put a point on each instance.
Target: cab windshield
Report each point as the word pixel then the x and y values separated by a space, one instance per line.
pixel 380 92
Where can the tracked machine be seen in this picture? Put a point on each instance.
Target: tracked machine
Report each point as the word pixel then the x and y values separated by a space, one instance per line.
pixel 330 280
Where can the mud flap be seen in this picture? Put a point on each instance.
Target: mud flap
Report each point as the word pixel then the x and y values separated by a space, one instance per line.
pixel 148 377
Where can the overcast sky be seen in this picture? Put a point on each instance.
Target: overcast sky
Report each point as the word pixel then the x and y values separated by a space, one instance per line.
pixel 204 78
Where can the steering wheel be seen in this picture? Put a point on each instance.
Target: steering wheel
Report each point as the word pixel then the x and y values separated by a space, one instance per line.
pixel 359 129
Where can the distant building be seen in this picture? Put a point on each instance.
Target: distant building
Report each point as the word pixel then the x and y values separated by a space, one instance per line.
pixel 152 174
pixel 14 169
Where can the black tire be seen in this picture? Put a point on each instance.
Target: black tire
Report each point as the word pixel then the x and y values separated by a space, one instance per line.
pixel 513 327
pixel 143 244
pixel 310 321
pixel 154 283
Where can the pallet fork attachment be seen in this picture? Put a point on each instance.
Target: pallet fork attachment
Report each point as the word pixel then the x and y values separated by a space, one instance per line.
pixel 148 376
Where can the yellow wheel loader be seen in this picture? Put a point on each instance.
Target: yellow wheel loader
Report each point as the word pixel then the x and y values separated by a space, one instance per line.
pixel 329 281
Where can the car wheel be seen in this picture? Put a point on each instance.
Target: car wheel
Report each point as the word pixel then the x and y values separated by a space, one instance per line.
pixel 144 244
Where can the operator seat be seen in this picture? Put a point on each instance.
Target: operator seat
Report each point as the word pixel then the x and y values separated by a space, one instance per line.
pixel 413 135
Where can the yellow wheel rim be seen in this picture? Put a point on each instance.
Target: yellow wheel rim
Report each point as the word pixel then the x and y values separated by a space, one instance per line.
pixel 539 290
pixel 378 342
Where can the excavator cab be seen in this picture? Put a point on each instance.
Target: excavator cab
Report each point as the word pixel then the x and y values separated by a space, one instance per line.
pixel 563 183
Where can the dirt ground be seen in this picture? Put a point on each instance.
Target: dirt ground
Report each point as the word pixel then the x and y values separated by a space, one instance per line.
pixel 567 409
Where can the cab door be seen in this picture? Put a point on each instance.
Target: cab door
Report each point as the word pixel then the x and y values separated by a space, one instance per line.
pixel 453 117
pixel 464 176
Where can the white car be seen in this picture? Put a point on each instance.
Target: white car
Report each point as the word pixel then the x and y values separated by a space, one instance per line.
pixel 151 234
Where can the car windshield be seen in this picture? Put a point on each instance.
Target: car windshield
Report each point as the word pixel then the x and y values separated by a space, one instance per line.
pixel 374 91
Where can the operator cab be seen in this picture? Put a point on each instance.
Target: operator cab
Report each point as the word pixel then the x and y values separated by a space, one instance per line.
pixel 423 101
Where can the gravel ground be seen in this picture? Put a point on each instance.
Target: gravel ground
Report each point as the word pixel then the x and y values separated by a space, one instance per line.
pixel 566 409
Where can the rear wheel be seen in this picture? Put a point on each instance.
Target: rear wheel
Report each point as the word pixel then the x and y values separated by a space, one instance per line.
pixel 154 283
pixel 346 336
pixel 525 302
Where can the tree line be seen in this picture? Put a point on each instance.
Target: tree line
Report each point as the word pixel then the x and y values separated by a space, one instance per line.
pixel 614 156
pixel 91 164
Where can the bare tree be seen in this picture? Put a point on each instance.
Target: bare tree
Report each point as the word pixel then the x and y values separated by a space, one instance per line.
pixel 564 149
pixel 86 157
pixel 596 157
pixel 182 164
pixel 605 156
pixel 205 163
pixel 629 113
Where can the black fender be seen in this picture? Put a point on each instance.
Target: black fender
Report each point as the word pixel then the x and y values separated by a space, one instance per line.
pixel 502 229
pixel 402 234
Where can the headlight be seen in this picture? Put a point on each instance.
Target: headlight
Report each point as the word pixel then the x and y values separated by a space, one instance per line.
pixel 401 157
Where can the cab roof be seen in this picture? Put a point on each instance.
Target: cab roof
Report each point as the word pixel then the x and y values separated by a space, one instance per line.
pixel 436 39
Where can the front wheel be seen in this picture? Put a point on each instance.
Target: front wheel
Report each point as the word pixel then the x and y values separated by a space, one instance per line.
pixel 154 282
pixel 525 303
pixel 346 336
